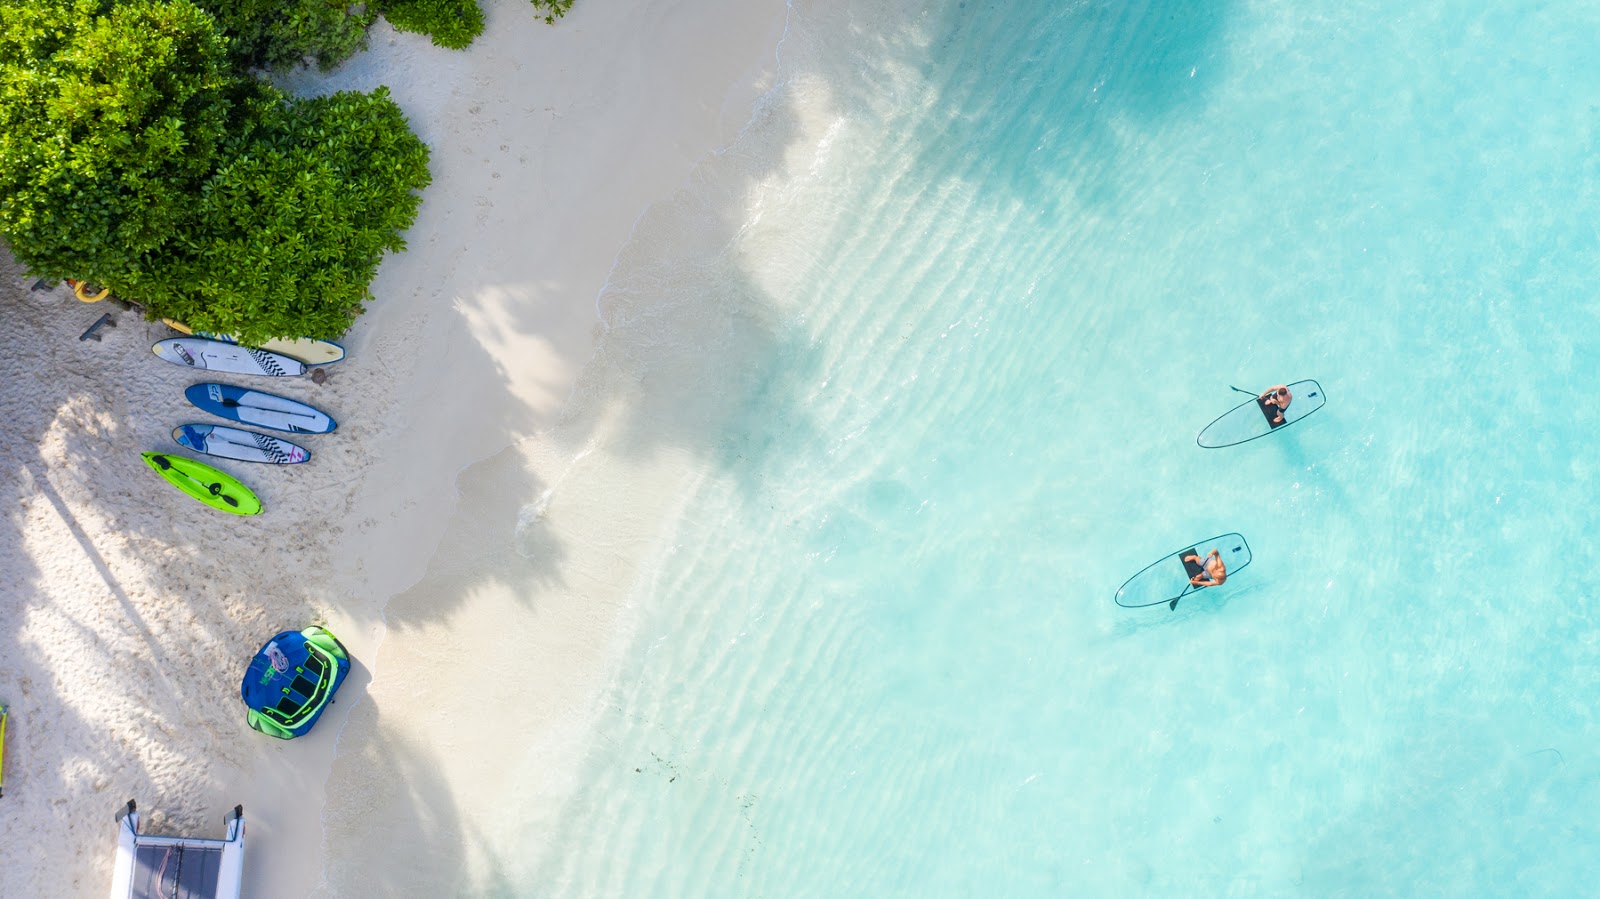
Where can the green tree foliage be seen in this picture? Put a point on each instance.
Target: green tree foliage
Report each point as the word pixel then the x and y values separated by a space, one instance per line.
pixel 109 121
pixel 449 23
pixel 288 234
pixel 133 156
pixel 277 34
pixel 453 24
pixel 553 9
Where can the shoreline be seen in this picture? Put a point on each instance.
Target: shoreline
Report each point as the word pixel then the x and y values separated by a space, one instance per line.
pixel 134 609
pixel 521 332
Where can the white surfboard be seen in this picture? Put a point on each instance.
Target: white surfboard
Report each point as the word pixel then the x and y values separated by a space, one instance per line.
pixel 306 349
pixel 214 355
pixel 235 443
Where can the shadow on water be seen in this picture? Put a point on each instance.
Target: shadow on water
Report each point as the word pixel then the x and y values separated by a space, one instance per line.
pixel 693 342
pixel 1097 75
pixel 688 380
pixel 1513 810
pixel 743 361
pixel 1209 602
pixel 698 356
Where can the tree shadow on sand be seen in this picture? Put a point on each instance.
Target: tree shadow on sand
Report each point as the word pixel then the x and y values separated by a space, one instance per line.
pixel 420 852
pixel 129 611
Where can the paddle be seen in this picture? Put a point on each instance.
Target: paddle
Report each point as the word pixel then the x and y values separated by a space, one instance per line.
pixel 213 489
pixel 1173 603
pixel 1245 392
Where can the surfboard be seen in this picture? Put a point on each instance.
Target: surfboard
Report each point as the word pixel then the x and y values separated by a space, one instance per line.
pixel 1166 580
pixel 252 407
pixel 233 443
pixel 215 488
pixel 306 349
pixel 1251 419
pixel 214 355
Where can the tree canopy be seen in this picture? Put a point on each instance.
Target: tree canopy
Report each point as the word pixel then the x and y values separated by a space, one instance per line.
pixel 139 151
pixel 278 34
pixel 108 123
pixel 134 155
pixel 289 229
pixel 449 23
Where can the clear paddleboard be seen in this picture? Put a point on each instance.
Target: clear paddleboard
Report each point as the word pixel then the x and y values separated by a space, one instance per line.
pixel 1166 580
pixel 1251 419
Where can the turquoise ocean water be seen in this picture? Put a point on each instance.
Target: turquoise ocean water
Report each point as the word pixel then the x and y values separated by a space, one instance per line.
pixel 945 323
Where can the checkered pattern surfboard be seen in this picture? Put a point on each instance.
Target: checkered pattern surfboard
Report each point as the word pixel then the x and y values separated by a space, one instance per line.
pixel 234 443
pixel 214 355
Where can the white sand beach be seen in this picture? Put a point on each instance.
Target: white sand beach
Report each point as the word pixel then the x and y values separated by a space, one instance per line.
pixel 128 612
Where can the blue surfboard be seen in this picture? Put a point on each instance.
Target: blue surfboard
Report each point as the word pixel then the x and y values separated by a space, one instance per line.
pixel 266 410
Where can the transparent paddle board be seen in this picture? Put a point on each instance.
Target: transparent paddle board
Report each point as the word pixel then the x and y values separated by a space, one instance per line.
pixel 1166 580
pixel 1248 420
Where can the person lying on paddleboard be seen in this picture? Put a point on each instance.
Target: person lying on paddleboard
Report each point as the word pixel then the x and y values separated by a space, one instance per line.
pixel 1277 396
pixel 1215 571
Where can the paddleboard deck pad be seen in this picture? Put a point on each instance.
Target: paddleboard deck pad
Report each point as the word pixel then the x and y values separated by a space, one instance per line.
pixel 1166 580
pixel 215 488
pixel 1253 418
pixel 306 349
pixel 252 407
pixel 214 355
pixel 233 443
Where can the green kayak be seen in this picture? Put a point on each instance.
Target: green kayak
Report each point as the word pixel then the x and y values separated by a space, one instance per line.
pixel 217 489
